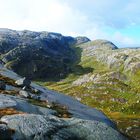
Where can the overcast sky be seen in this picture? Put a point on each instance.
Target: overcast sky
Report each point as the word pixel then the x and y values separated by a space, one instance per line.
pixel 114 20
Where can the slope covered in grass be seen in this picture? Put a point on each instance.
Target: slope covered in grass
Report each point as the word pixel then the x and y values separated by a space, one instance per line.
pixel 107 78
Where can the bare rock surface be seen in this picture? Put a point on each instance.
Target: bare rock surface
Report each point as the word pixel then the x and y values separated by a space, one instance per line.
pixel 38 127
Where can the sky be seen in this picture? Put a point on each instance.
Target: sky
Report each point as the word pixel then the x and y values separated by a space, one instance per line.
pixel 114 20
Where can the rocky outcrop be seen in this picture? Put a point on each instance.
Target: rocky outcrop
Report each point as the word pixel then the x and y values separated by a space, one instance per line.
pixel 34 127
pixel 98 78
pixel 106 52
pixel 101 44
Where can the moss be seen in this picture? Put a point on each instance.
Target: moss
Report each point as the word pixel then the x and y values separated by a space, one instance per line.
pixel 125 121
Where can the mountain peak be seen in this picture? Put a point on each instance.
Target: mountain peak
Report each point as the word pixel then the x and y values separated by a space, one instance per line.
pixel 101 44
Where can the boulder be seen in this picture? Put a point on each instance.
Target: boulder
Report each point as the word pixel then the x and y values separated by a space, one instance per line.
pixel 39 127
pixel 23 82
pixel 2 85
pixel 24 94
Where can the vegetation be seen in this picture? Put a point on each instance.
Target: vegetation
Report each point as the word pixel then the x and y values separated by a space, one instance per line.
pixel 118 98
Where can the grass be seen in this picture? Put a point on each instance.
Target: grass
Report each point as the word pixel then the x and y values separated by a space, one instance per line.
pixel 119 100
pixel 126 114
pixel 128 124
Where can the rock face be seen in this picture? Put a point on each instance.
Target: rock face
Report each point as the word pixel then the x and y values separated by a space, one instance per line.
pixel 97 78
pixel 7 102
pixel 37 54
pixel 106 52
pixel 101 44
pixel 37 127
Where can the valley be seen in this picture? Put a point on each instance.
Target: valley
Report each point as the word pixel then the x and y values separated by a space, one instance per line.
pixel 95 73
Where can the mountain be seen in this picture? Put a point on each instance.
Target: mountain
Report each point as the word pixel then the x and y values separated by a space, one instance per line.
pixel 96 73
pixel 107 78
pixel 37 54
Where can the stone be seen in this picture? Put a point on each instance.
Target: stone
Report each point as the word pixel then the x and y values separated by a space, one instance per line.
pixel 39 127
pixel 24 94
pixel 23 82
pixel 2 85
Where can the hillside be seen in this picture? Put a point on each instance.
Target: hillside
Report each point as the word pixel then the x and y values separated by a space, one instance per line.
pixel 96 73
pixel 31 112
pixel 110 82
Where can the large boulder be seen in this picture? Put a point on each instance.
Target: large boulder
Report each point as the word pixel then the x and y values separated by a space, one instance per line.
pixel 38 127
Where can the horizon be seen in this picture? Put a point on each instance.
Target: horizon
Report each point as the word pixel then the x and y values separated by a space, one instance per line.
pixel 111 20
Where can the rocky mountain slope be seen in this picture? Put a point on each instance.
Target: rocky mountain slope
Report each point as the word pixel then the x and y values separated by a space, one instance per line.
pixel 107 78
pixel 96 73
pixel 32 112
pixel 37 54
